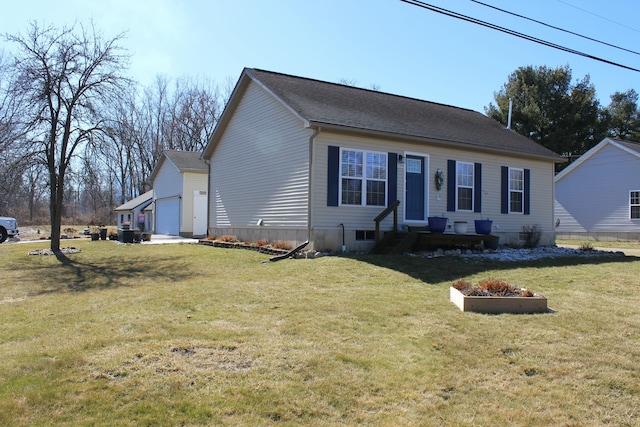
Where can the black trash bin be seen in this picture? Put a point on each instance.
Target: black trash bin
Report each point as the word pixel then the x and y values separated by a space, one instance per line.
pixel 103 234
pixel 126 236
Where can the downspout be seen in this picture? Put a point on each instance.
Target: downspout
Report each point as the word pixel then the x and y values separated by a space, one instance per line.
pixel 315 133
pixel 208 162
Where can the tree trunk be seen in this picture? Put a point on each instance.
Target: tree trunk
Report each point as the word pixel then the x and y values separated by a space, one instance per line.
pixel 55 208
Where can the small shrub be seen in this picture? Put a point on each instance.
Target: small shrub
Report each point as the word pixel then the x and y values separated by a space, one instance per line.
pixel 531 235
pixel 227 239
pixel 462 285
pixel 262 242
pixel 281 245
pixel 210 237
pixel 586 246
pixel 496 287
pixel 490 287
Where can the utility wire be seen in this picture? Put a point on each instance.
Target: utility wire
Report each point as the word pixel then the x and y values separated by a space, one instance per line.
pixel 554 27
pixel 601 17
pixel 512 32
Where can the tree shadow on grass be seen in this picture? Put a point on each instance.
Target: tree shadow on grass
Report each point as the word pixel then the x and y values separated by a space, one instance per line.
pixel 71 275
pixel 452 268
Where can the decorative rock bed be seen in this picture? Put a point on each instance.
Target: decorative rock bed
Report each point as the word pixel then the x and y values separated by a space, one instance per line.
pixel 65 251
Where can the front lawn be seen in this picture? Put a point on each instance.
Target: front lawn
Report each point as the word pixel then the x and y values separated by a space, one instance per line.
pixel 166 335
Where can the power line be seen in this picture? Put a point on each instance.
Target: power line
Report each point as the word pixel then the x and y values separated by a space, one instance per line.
pixel 554 27
pixel 512 32
pixel 599 16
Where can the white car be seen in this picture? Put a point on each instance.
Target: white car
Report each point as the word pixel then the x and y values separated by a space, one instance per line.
pixel 8 228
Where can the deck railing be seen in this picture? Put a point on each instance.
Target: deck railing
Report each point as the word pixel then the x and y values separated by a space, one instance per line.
pixel 393 207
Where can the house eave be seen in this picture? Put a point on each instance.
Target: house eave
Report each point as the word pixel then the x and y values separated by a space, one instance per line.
pixel 463 145
pixel 591 152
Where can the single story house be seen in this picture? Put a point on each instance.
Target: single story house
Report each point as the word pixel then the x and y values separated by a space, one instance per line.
pixel 598 195
pixel 135 212
pixel 180 182
pixel 295 159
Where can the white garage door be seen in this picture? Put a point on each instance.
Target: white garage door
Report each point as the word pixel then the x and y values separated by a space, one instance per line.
pixel 168 216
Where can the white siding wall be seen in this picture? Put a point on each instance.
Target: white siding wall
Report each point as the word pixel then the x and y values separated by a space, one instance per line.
pixel 326 219
pixel 259 170
pixel 594 197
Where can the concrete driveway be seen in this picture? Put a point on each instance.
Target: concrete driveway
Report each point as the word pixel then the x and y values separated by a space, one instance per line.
pixel 161 239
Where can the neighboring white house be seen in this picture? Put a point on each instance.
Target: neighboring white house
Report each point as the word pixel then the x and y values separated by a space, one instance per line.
pixel 180 194
pixel 136 213
pixel 295 159
pixel 598 195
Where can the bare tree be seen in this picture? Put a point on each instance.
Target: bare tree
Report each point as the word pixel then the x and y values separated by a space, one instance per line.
pixel 12 161
pixel 118 151
pixel 64 76
pixel 194 110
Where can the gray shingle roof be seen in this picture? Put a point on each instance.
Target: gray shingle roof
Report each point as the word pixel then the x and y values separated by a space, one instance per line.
pixel 630 145
pixel 138 201
pixel 367 111
pixel 187 161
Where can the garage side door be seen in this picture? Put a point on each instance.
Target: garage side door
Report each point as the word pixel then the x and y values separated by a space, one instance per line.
pixel 168 216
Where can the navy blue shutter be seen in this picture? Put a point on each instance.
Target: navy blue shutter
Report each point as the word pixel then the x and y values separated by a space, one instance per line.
pixel 527 193
pixel 333 175
pixel 392 177
pixel 451 185
pixel 504 193
pixel 477 187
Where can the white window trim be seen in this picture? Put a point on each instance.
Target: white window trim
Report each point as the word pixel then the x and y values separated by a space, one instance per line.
pixel 516 191
pixel 632 205
pixel 458 186
pixel 363 179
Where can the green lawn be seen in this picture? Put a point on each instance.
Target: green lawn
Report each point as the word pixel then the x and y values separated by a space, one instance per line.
pixel 169 335
pixel 634 244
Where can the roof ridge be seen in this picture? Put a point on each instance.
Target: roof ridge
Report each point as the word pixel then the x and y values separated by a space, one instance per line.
pixel 362 89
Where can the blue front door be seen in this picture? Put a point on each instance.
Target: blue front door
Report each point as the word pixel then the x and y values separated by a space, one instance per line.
pixel 415 185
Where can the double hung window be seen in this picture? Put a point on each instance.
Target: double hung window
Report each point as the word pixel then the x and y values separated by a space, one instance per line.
pixel 516 190
pixel 363 178
pixel 515 193
pixel 634 204
pixel 464 186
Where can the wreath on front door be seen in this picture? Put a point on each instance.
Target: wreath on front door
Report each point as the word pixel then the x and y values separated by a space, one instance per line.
pixel 439 179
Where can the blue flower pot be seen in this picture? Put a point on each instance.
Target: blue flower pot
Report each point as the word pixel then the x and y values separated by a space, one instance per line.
pixel 437 224
pixel 483 226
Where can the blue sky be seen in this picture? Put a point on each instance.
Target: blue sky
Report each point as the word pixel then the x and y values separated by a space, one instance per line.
pixel 398 47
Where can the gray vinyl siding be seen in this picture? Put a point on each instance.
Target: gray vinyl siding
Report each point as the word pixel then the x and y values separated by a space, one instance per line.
pixel 594 196
pixel 508 225
pixel 168 181
pixel 259 169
